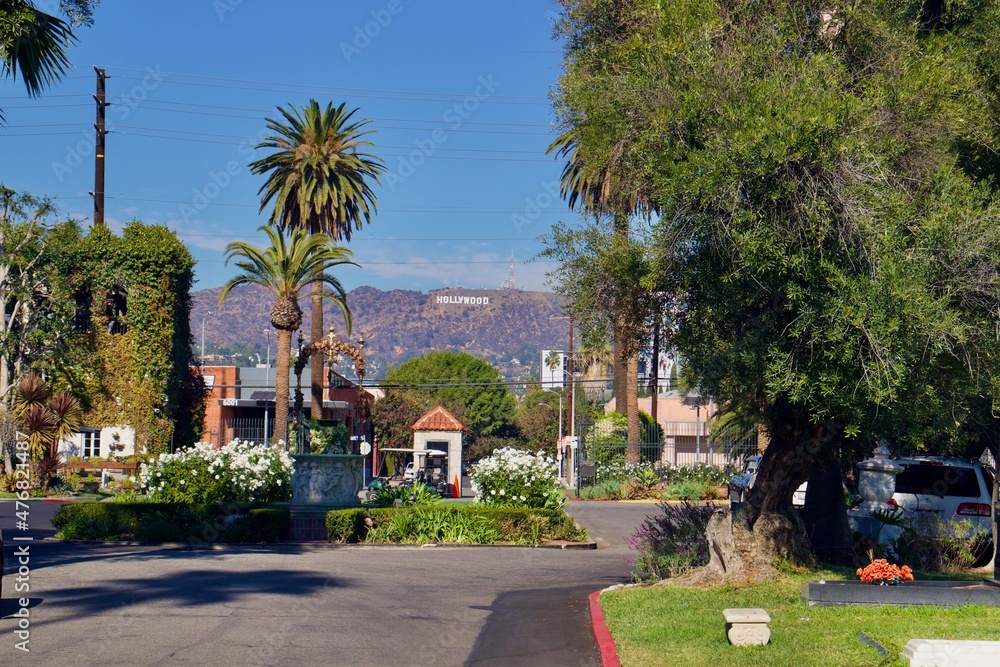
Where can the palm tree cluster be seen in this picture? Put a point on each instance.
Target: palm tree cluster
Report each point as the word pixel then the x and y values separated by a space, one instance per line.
pixel 319 185
pixel 45 419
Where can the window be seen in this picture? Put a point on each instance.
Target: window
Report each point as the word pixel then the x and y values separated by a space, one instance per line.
pixel 91 444
pixel 81 312
pixel 116 308
pixel 937 480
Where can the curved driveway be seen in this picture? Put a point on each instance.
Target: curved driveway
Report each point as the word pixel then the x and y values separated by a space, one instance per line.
pixel 355 605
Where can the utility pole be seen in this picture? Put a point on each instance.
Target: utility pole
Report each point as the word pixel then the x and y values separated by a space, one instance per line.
pixel 655 379
pixel 572 383
pixel 98 193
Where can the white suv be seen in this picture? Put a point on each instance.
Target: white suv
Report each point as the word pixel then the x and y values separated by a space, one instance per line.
pixel 949 488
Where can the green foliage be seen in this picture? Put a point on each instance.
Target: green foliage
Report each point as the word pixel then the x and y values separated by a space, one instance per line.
pixel 408 495
pixel 328 438
pixel 140 375
pixel 170 522
pixel 672 541
pixel 238 472
pixel 538 419
pixel 515 478
pixel 827 265
pixel 469 388
pixel 451 524
pixel 318 175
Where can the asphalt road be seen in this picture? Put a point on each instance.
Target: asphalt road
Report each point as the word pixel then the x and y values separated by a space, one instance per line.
pixel 355 605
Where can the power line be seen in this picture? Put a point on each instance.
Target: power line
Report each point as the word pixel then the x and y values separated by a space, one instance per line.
pixel 233 143
pixel 490 99
pixel 373 118
pixel 317 87
pixel 239 136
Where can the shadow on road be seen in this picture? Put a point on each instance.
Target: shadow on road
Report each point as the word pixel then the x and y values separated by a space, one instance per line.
pixel 190 588
pixel 549 627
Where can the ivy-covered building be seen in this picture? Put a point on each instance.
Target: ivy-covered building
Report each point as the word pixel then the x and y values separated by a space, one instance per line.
pixel 124 345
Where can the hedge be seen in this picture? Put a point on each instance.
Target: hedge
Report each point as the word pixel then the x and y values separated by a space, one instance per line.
pixel 171 522
pixel 506 525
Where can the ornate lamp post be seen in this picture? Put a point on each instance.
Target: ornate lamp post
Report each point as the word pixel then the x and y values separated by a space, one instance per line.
pixel 322 481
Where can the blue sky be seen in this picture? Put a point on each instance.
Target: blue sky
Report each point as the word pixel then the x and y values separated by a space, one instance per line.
pixel 457 91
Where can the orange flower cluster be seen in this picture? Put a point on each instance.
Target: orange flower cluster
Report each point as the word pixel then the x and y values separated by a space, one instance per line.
pixel 881 571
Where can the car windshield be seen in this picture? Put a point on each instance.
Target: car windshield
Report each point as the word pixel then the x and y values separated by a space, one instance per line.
pixel 936 480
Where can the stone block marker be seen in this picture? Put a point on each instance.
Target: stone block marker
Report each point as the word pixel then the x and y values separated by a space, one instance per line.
pixel 747 627
pixel 951 653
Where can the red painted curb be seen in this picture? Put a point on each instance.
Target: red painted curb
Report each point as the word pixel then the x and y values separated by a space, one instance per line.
pixel 605 642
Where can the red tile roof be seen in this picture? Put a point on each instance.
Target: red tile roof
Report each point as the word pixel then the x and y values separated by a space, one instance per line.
pixel 438 419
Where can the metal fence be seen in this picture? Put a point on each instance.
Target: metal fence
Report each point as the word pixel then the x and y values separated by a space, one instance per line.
pixel 672 444
pixel 245 428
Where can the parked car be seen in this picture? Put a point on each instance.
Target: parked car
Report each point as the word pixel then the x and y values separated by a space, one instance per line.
pixel 740 484
pixel 410 472
pixel 949 488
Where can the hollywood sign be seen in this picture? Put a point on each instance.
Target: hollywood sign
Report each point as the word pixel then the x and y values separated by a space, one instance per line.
pixel 467 300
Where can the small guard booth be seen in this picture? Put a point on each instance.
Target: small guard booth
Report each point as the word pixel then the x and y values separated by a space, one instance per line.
pixel 439 429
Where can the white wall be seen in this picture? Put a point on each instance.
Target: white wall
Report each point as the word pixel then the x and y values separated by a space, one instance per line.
pixel 115 441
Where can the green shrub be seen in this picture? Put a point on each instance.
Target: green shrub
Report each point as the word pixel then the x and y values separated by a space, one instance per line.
pixel 261 525
pixel 170 522
pixel 516 478
pixel 672 541
pixel 411 494
pixel 238 472
pixel 690 490
pixel 604 491
pixel 467 524
pixel 346 525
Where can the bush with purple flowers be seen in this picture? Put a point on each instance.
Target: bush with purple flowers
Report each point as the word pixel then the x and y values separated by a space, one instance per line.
pixel 671 542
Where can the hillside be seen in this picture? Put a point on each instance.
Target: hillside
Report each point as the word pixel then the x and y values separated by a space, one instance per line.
pixel 397 325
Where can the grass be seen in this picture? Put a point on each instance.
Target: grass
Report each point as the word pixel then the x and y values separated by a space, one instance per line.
pixel 682 626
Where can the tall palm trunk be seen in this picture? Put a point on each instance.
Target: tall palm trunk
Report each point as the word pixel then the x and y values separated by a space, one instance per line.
pixel 632 402
pixel 281 385
pixel 316 379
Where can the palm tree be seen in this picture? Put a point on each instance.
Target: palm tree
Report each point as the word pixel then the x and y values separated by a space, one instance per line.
pixel 318 180
pixel 284 269
pixel 32 44
pixel 615 187
pixel 46 420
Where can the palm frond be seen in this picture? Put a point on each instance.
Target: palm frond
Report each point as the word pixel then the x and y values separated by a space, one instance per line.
pixel 33 44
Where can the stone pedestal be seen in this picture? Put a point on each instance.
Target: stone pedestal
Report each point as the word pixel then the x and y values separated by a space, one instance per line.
pixel 320 483
pixel 747 627
pixel 877 479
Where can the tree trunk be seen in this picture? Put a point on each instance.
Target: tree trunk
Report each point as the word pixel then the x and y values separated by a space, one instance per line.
pixel 745 547
pixel 825 512
pixel 281 385
pixel 619 372
pixel 316 380
pixel 632 406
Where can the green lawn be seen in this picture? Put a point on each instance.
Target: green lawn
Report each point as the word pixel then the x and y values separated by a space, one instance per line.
pixel 677 625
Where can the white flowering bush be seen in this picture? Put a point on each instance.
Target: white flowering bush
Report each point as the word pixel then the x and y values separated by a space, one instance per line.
pixel 239 472
pixel 516 478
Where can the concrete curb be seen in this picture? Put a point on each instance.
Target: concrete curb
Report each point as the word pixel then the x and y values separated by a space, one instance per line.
pixel 319 546
pixel 605 642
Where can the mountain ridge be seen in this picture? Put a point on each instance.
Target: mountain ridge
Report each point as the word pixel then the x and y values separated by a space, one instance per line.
pixel 399 324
